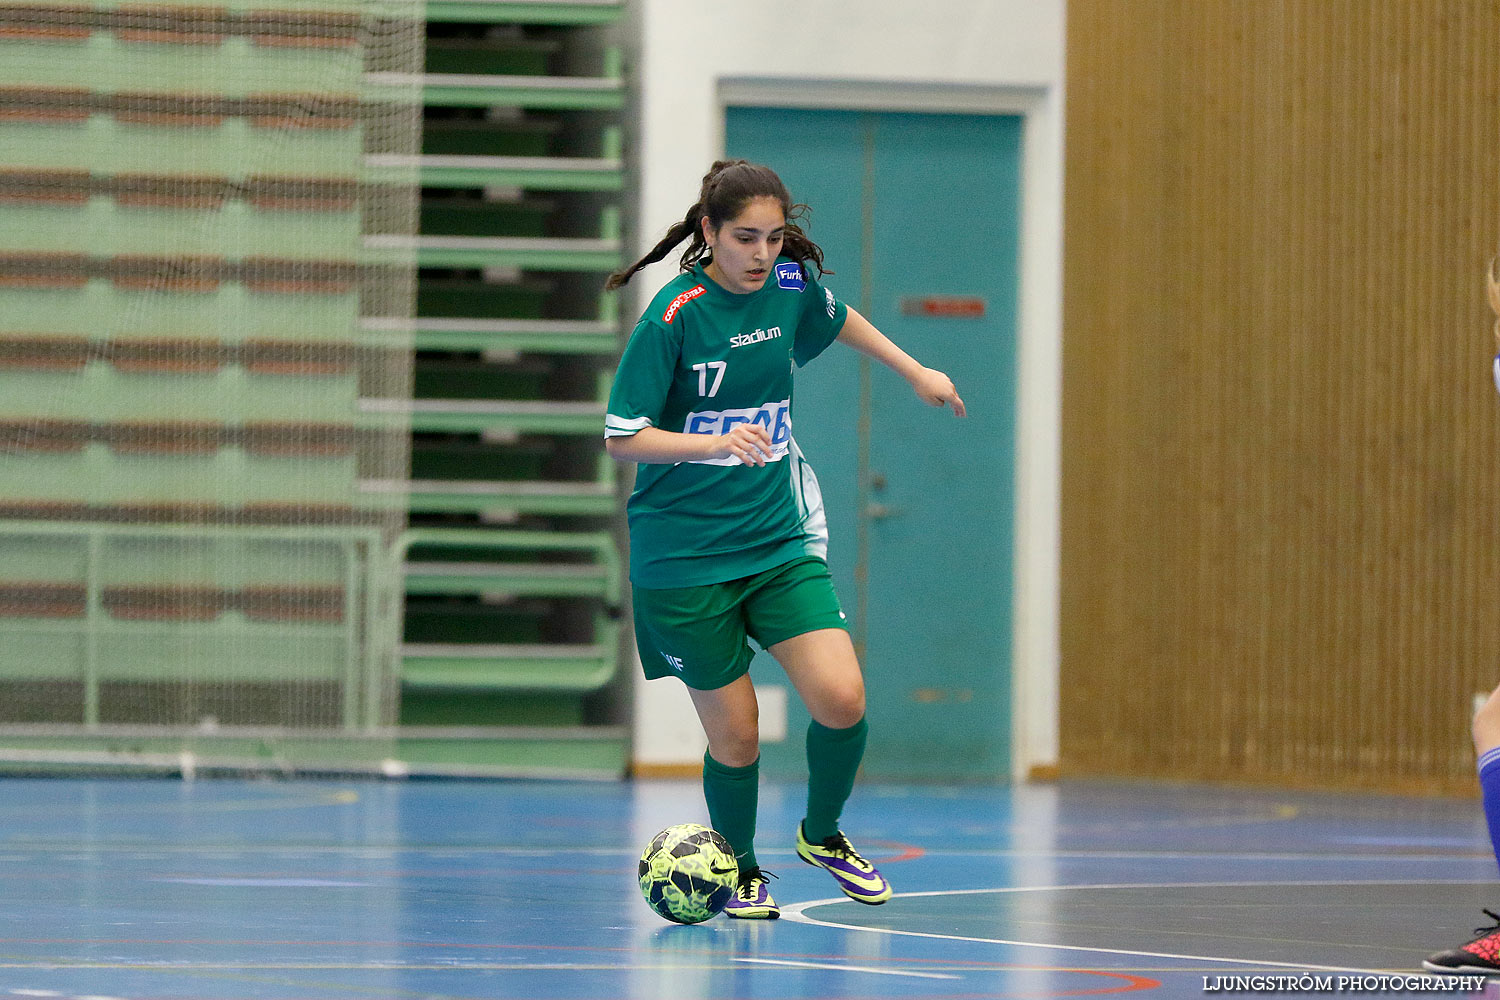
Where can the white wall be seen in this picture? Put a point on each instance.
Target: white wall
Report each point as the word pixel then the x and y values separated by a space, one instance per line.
pixel 1004 55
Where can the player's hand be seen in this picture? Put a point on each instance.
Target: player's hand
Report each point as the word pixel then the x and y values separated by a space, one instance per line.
pixel 1492 285
pixel 934 388
pixel 750 443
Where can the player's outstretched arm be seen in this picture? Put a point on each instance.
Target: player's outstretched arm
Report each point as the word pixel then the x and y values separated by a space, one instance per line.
pixel 750 443
pixel 931 386
pixel 1492 285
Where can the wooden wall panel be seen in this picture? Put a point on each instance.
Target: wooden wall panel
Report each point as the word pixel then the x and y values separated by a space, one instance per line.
pixel 1281 472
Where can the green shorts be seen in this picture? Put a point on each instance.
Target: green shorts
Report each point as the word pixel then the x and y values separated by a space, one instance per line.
pixel 700 633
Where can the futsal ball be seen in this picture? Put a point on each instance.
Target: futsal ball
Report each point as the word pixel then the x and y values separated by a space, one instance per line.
pixel 688 873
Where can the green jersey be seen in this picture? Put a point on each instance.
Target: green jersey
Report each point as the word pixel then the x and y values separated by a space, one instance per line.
pixel 701 360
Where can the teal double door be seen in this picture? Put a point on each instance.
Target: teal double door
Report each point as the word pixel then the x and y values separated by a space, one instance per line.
pixel 918 218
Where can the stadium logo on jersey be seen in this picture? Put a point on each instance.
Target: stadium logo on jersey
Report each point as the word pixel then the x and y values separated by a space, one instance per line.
pixel 789 275
pixel 680 301
pixel 759 336
pixel 776 418
pixel 833 306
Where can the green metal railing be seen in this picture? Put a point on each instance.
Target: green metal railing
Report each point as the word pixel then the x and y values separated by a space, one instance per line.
pixel 97 647
pixel 542 93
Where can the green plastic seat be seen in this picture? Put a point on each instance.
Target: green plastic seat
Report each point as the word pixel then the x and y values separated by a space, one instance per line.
pixel 575 667
pixel 488 137
pixel 440 295
pixel 443 377
pixel 457 561
pixel 546 336
pixel 453 457
pixel 561 12
pixel 516 56
pixel 469 619
pixel 469 216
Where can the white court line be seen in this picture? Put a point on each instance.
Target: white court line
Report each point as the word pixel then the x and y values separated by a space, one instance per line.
pixel 796 912
pixel 848 968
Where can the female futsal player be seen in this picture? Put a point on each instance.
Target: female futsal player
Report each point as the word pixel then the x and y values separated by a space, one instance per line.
pixel 1483 953
pixel 727 534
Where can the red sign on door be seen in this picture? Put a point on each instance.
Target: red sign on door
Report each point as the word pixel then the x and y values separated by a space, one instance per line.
pixel 943 306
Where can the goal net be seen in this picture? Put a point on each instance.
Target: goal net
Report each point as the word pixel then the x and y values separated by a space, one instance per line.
pixel 190 576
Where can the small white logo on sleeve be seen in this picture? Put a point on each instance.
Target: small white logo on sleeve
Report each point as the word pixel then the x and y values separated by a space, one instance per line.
pixel 832 305
pixel 675 662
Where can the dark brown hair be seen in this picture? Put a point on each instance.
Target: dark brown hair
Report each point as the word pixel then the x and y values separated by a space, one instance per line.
pixel 727 188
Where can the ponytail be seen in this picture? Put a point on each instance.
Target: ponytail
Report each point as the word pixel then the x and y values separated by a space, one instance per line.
pixel 679 232
pixel 725 190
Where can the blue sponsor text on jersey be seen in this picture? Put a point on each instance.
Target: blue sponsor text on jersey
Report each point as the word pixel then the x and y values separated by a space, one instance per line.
pixel 789 275
pixel 776 418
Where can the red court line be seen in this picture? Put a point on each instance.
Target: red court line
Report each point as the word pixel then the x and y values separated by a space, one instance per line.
pixel 904 852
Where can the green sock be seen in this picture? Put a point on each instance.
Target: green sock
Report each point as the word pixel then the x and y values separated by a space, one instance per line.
pixel 833 757
pixel 732 794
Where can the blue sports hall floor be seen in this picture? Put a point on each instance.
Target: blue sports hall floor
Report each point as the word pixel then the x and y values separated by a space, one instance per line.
pixel 146 889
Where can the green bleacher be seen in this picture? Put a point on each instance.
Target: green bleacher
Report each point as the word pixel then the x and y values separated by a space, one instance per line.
pixel 511 573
